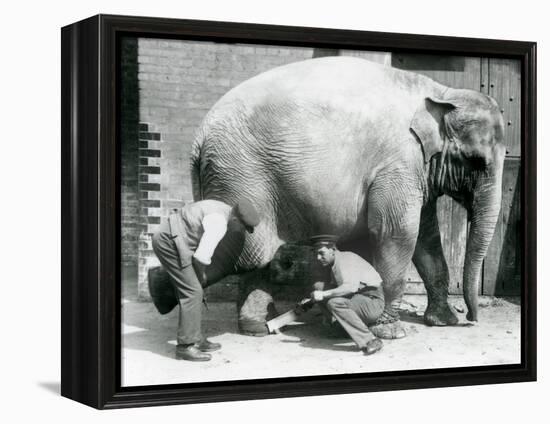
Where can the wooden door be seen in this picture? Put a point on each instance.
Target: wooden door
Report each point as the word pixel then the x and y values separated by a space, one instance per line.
pixel 502 267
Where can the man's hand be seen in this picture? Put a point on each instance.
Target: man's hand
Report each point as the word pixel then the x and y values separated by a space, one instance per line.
pixel 200 270
pixel 317 296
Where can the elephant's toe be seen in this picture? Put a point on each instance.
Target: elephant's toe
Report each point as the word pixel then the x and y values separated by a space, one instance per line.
pixel 392 330
pixel 471 317
pixel 440 317
pixel 255 328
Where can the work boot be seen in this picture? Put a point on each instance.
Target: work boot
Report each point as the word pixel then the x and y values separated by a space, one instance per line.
pixel 206 345
pixel 191 353
pixel 372 346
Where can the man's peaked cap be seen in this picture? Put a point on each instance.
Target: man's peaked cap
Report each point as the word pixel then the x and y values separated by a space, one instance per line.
pixel 323 240
pixel 247 213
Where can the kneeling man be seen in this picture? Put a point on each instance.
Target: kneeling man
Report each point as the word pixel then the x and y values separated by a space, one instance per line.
pixel 356 298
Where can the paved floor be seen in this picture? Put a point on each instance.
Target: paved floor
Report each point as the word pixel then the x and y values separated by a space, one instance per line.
pixel 304 349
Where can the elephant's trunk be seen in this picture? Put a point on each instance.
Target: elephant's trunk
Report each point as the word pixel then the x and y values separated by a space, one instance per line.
pixel 485 209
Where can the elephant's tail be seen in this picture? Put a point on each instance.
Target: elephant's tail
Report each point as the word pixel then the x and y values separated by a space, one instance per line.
pixel 196 150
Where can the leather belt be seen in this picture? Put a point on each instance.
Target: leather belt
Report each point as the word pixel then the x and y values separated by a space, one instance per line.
pixel 370 290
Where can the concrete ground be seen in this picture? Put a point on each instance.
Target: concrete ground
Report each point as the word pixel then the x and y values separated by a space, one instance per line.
pixel 304 349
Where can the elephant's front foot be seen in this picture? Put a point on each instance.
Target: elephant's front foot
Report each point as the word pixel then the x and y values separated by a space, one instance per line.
pixel 440 315
pixel 388 326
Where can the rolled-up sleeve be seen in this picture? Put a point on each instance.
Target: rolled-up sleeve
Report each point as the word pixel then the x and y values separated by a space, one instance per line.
pixel 215 227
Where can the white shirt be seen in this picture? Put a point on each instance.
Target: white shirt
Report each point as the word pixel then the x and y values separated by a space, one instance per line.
pixel 351 270
pixel 215 227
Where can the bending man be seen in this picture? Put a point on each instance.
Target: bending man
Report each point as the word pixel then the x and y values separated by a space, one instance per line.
pixel 185 245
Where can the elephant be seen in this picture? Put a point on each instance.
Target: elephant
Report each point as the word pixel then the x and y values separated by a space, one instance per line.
pixel 345 146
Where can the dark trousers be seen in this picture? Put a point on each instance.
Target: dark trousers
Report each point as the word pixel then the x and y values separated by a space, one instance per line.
pixel 354 313
pixel 187 287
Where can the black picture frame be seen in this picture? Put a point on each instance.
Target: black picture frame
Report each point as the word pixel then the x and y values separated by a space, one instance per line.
pixel 90 175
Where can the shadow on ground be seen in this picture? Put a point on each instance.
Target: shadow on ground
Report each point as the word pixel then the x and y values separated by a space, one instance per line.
pixel 305 348
pixel 146 329
pixel 51 386
pixel 312 334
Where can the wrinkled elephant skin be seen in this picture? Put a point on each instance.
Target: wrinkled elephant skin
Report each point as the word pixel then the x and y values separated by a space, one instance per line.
pixel 348 147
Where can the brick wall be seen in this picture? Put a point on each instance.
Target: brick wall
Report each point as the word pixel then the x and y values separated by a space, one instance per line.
pixel 179 81
pixel 130 226
pixel 149 179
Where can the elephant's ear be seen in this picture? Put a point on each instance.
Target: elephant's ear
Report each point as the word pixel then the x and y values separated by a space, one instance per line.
pixel 427 124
